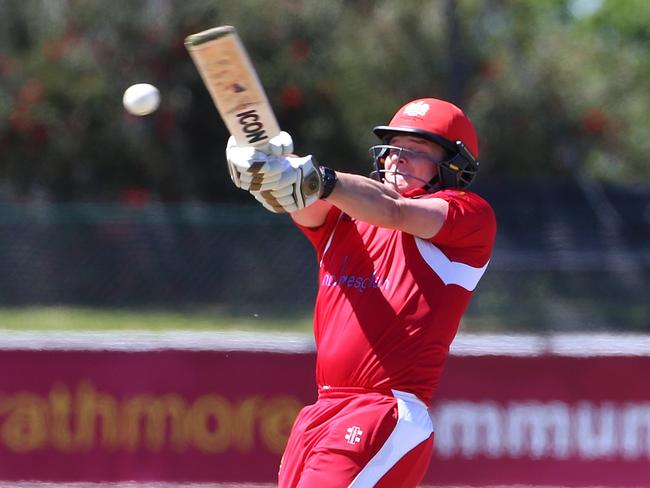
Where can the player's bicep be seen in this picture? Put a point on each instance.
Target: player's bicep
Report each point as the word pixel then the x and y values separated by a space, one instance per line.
pixel 422 217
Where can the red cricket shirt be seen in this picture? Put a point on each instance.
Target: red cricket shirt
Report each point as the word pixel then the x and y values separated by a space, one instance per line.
pixel 389 304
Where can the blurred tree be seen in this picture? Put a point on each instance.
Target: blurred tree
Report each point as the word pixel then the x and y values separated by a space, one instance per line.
pixel 555 88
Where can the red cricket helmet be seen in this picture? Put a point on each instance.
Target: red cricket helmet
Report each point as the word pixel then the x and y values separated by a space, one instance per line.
pixel 445 124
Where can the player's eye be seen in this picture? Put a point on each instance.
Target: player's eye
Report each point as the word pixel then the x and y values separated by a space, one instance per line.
pixel 417 154
pixel 410 154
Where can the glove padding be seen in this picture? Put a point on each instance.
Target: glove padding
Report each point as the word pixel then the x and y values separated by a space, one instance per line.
pixel 258 168
pixel 298 186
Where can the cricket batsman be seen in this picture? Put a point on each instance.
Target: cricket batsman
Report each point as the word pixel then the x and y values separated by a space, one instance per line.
pixel 400 254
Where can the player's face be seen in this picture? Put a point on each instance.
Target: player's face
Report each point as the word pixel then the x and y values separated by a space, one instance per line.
pixel 415 166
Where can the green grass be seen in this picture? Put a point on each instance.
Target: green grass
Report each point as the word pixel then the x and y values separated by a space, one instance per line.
pixel 73 318
pixel 83 318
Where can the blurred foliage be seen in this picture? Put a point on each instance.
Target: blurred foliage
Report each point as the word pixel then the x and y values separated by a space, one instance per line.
pixel 556 88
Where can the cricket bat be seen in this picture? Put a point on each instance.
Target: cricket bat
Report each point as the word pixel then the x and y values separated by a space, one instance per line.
pixel 230 77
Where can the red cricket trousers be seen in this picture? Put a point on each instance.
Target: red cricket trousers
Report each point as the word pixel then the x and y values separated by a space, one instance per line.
pixel 352 437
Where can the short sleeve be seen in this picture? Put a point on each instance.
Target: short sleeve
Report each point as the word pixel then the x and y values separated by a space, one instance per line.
pixel 318 236
pixel 470 225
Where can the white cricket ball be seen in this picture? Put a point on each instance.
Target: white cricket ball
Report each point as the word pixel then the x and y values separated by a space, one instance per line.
pixel 141 99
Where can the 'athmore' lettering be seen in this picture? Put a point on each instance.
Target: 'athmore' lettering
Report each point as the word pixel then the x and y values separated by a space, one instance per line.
pixel 80 420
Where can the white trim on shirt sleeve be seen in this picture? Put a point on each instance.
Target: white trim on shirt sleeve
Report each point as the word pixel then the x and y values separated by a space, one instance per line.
pixel 329 240
pixel 450 272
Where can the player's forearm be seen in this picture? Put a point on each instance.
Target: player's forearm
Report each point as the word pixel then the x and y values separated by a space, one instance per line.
pixel 359 197
pixel 366 199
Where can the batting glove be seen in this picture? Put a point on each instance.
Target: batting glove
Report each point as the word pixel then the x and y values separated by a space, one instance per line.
pixel 299 186
pixel 251 167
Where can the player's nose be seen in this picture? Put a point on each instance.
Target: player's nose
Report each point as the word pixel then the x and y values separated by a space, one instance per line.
pixel 397 157
pixel 401 158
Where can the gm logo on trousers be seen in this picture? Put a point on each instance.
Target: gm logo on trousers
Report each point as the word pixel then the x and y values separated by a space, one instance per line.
pixel 354 435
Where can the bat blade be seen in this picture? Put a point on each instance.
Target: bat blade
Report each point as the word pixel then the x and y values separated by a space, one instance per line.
pixel 233 83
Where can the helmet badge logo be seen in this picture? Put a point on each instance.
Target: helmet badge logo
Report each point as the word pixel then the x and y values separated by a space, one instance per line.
pixel 416 109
